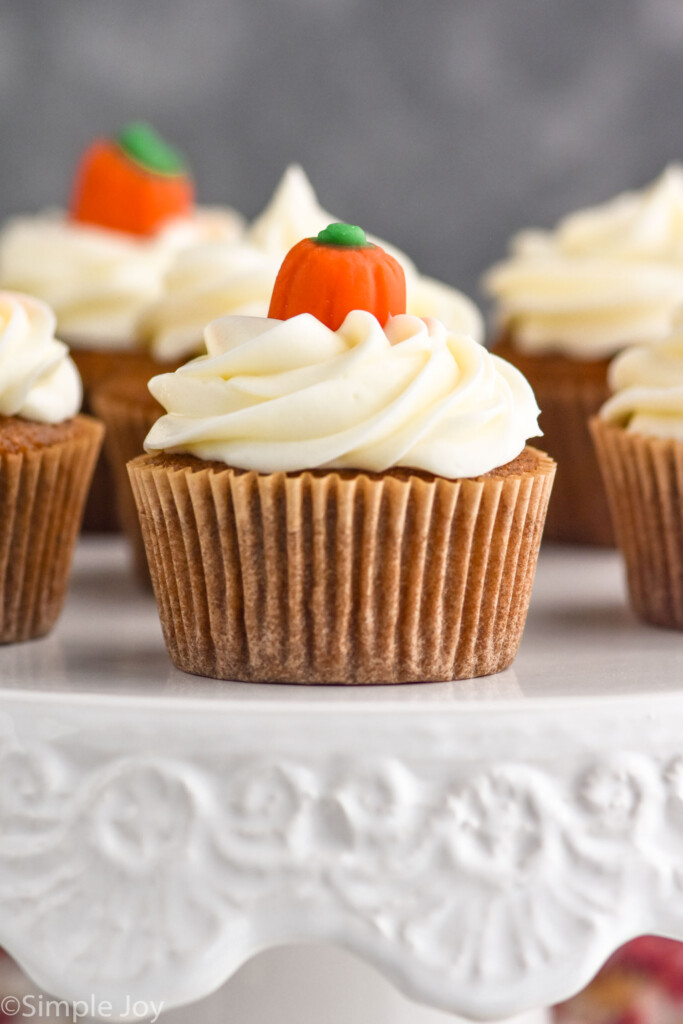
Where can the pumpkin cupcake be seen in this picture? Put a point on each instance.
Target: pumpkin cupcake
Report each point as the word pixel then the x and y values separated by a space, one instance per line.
pixel 101 264
pixel 341 492
pixel 639 442
pixel 129 411
pixel 567 302
pixel 220 278
pixel 642 983
pixel 47 455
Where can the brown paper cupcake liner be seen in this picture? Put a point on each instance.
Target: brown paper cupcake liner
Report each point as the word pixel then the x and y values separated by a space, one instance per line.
pixel 569 392
pixel 341 577
pixel 127 425
pixel 42 494
pixel 97 366
pixel 644 481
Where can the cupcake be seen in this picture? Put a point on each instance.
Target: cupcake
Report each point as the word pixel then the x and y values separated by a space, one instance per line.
pixel 47 455
pixel 219 278
pixel 341 492
pixel 101 265
pixel 641 984
pixel 129 410
pixel 567 302
pixel 639 442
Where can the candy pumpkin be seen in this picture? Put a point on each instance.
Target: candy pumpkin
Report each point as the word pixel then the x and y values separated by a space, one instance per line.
pixel 134 184
pixel 336 272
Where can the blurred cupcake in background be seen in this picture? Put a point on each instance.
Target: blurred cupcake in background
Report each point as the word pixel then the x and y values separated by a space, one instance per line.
pixel 639 440
pixel 47 455
pixel 219 278
pixel 567 301
pixel 641 984
pixel 102 263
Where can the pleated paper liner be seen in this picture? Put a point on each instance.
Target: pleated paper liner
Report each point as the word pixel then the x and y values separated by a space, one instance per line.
pixel 128 412
pixel 569 392
pixel 45 473
pixel 644 481
pixel 341 577
pixel 96 366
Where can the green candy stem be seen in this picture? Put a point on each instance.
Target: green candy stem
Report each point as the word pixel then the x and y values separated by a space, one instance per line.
pixel 146 147
pixel 343 234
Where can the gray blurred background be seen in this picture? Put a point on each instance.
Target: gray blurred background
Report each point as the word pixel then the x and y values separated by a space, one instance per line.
pixel 441 125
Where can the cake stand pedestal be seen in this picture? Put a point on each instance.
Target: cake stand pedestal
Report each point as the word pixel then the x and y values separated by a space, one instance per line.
pixel 485 844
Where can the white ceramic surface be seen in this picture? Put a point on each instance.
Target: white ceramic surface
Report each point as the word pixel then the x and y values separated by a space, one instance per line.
pixel 485 844
pixel 287 985
pixel 314 985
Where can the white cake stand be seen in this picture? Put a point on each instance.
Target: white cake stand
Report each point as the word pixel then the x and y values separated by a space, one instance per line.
pixel 486 845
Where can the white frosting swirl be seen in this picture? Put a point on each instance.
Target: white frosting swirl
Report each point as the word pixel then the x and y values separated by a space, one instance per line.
pixel 293 213
pixel 38 379
pixel 606 278
pixel 221 279
pixel 287 395
pixel 98 281
pixel 648 385
pixel 206 282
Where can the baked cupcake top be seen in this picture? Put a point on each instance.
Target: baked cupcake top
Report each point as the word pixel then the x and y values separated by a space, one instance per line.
pixel 102 263
pixel 605 278
pixel 223 278
pixel 344 388
pixel 647 381
pixel 38 379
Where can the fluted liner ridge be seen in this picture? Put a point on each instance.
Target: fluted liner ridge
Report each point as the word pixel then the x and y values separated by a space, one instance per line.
pixel 340 577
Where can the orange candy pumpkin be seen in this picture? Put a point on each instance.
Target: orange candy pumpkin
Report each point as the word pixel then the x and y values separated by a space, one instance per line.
pixel 135 184
pixel 336 272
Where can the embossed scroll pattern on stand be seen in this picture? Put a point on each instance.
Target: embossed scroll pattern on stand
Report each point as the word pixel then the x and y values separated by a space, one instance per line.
pixel 480 880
